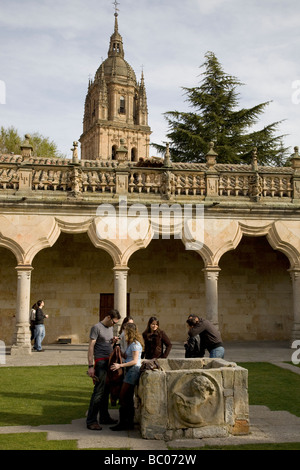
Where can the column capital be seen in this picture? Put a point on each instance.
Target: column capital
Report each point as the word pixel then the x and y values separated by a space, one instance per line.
pixel 24 267
pixel 120 268
pixel 294 273
pixel 210 269
pixel 211 272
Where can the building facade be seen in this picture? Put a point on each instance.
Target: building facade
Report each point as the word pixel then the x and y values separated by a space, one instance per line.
pixel 116 228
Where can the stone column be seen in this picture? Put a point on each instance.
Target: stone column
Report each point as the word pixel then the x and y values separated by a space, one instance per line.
pixel 21 342
pixel 295 276
pixel 211 275
pixel 120 290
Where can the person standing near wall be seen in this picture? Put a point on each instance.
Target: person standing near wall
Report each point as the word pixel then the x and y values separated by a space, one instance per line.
pixel 39 328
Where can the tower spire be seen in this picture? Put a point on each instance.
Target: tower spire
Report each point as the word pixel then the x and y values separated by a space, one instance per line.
pixel 115 3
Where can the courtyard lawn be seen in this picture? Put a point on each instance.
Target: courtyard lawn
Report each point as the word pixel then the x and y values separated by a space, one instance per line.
pixel 271 386
pixel 36 396
pixel 43 395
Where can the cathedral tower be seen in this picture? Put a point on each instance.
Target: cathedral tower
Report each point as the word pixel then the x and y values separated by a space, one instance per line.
pixel 115 109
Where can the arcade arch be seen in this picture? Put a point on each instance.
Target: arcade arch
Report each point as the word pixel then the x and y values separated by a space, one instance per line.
pixel 70 276
pixel 255 292
pixel 167 281
pixel 8 299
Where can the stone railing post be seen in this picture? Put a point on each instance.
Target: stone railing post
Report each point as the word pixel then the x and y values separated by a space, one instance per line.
pixel 212 176
pixel 296 178
pixel 24 172
pixel 211 275
pixel 21 342
pixel 25 180
pixel 122 181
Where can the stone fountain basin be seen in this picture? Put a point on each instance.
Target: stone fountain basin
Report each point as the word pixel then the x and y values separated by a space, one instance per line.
pixel 193 398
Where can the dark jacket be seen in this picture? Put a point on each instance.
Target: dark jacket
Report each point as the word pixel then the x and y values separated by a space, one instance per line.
pixel 204 335
pixel 154 345
pixel 39 317
pixel 114 378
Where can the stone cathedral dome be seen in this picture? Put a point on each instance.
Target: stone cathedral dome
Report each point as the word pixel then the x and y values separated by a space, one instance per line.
pixel 115 66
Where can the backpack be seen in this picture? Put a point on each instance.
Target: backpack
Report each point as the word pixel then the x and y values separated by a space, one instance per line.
pixel 32 315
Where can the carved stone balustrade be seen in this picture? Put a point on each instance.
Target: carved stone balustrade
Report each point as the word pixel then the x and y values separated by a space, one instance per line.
pixel 178 180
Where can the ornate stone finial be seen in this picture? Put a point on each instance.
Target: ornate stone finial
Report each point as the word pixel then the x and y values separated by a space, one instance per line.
pixel 211 157
pixel 26 148
pixel 75 152
pixel 295 159
pixel 122 152
pixel 254 159
pixel 167 159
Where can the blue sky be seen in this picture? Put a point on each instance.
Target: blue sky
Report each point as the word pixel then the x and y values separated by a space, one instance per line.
pixel 49 48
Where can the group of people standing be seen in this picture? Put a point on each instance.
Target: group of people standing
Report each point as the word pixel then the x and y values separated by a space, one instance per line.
pixel 153 343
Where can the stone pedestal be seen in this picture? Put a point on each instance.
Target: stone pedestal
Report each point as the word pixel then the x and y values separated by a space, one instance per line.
pixel 193 398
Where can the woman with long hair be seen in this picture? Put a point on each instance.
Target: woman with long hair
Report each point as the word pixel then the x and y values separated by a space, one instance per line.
pixel 157 343
pixel 132 367
pixel 122 341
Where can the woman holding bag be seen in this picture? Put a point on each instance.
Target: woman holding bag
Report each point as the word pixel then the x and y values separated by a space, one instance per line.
pixel 131 367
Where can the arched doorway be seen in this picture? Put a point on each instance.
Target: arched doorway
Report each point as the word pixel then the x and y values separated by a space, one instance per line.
pixel 70 277
pixel 167 281
pixel 8 295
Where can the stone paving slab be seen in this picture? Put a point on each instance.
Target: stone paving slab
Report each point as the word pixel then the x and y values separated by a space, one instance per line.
pixel 76 354
pixel 265 427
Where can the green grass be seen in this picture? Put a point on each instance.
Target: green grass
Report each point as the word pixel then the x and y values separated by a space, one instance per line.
pixel 34 396
pixel 271 386
pixel 33 441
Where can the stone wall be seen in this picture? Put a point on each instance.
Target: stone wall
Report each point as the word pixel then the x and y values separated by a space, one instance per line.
pixel 255 291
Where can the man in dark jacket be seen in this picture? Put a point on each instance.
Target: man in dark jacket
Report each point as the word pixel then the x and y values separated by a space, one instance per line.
pixel 39 330
pixel 203 335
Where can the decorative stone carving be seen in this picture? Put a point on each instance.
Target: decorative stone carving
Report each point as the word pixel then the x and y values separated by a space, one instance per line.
pixel 193 398
pixel 255 187
pixel 196 400
pixel 167 184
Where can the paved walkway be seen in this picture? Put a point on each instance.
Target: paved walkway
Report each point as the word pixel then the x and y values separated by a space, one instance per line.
pixel 265 425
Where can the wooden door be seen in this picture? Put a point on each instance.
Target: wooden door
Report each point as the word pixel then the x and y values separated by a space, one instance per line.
pixel 107 304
